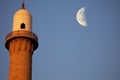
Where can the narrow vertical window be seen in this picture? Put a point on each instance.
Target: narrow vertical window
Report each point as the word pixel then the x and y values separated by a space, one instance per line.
pixel 22 26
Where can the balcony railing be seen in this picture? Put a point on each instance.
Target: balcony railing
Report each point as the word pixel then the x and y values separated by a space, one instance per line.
pixel 21 33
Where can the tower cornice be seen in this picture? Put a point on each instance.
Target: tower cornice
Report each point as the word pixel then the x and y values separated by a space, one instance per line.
pixel 21 34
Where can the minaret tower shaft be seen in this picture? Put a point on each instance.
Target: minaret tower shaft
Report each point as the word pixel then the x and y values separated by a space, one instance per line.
pixel 21 43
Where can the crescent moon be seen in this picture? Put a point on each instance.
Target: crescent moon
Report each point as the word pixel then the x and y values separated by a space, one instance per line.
pixel 80 16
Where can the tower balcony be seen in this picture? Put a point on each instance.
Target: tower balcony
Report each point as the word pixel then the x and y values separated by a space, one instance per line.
pixel 21 34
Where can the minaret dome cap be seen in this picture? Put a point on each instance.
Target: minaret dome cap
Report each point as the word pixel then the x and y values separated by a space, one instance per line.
pixel 22 20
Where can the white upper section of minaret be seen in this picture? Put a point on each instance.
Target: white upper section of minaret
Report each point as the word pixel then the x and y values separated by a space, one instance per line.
pixel 22 20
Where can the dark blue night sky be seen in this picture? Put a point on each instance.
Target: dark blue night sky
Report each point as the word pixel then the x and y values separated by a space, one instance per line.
pixel 68 51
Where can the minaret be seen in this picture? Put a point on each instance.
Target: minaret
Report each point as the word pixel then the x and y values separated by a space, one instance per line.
pixel 21 43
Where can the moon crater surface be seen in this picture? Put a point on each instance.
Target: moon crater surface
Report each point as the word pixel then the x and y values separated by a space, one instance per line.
pixel 80 17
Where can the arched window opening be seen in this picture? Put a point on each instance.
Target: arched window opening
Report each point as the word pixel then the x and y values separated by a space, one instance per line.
pixel 22 26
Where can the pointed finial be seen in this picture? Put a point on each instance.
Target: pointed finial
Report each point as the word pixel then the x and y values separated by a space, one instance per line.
pixel 23 5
